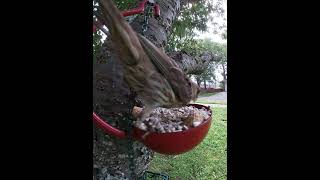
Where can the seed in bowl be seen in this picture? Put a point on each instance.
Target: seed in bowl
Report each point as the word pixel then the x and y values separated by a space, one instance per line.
pixel 165 120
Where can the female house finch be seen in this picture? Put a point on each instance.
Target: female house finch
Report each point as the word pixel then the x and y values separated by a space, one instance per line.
pixel 156 79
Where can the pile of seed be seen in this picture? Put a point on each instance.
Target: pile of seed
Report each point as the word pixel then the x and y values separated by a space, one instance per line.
pixel 173 120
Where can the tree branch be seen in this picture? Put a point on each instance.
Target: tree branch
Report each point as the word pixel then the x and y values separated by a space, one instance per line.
pixel 192 65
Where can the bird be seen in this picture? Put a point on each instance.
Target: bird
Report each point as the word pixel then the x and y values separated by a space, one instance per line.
pixel 153 75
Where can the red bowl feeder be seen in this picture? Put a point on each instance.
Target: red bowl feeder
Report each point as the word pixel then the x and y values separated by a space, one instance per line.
pixel 165 143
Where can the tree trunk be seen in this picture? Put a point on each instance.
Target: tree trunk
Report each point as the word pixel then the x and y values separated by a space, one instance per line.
pixel 198 81
pixel 113 101
pixel 224 77
pixel 205 84
pixel 224 72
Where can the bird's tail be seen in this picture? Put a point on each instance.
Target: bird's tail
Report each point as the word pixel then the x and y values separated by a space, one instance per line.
pixel 124 38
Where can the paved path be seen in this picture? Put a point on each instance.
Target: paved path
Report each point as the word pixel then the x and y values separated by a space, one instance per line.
pixel 215 105
pixel 220 98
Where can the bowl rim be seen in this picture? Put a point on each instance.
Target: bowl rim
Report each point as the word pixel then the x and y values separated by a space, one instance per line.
pixel 206 121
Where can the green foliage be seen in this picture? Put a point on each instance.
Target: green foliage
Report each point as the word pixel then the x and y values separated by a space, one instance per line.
pixel 97 43
pixel 192 17
pixel 207 75
pixel 126 4
pixel 207 161
pixel 198 46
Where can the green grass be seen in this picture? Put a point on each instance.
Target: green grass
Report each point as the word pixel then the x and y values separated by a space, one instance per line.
pixel 209 102
pixel 205 94
pixel 208 161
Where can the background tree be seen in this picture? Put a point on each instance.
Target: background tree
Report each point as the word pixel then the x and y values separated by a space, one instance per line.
pixel 203 47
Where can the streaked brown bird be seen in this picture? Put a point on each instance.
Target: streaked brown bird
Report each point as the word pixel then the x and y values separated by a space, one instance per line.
pixel 156 79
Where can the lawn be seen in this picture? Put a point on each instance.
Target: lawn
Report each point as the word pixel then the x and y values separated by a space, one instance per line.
pixel 209 102
pixel 208 161
pixel 205 94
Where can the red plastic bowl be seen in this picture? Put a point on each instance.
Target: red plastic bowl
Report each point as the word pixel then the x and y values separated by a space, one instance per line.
pixel 165 143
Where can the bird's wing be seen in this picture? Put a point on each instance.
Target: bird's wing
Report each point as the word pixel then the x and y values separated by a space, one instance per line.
pixel 175 76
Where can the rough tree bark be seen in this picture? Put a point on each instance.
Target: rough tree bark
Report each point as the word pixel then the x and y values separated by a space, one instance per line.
pixel 192 65
pixel 113 100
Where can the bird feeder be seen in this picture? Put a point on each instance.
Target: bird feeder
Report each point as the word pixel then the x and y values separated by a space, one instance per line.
pixel 171 143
